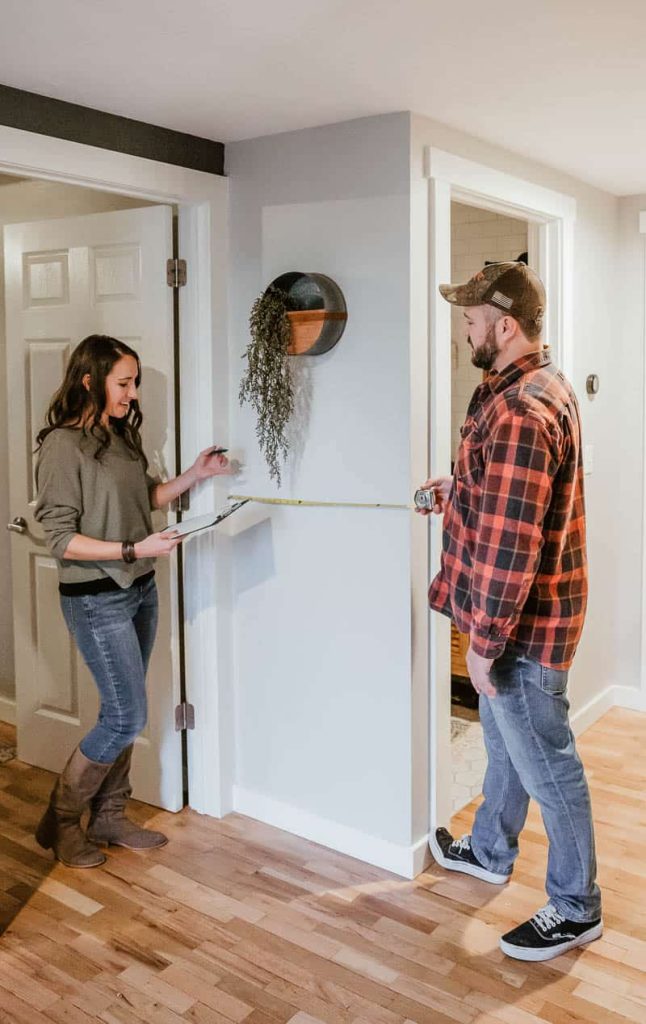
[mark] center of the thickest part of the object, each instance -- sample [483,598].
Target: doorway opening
[202,202]
[548,218]
[78,261]
[478,236]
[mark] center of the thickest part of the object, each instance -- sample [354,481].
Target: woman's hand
[207,465]
[442,487]
[157,545]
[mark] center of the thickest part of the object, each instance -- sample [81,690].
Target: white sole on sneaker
[523,953]
[464,869]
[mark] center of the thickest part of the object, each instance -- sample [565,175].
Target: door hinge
[184,717]
[175,273]
[182,503]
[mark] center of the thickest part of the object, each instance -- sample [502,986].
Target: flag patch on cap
[502,300]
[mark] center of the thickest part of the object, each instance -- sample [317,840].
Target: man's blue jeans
[531,753]
[115,631]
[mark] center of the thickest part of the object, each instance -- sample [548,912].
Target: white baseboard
[592,711]
[406,861]
[7,709]
[422,857]
[612,697]
[629,697]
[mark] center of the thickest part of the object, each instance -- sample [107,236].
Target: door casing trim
[551,216]
[202,202]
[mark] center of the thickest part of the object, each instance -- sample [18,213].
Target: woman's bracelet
[128,552]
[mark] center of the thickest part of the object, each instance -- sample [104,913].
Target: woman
[94,504]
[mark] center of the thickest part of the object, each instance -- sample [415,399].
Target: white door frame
[551,216]
[637,698]
[202,201]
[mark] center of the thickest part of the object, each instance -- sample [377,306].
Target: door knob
[18,525]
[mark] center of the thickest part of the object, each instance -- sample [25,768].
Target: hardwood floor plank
[235,921]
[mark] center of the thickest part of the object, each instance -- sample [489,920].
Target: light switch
[588,459]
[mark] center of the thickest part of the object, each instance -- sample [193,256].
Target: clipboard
[205,522]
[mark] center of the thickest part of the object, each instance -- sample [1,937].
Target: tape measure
[317,504]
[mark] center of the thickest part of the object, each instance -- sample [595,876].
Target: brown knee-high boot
[108,823]
[59,828]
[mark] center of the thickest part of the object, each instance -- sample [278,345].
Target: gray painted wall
[322,598]
[330,719]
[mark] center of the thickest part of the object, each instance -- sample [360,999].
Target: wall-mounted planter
[316,311]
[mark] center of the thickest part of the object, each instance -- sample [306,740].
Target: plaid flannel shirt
[514,558]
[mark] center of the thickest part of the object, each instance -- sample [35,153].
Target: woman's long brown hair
[74,405]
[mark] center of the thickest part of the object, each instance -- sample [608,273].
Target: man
[514,577]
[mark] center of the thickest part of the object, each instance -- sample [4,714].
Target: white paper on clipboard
[205,522]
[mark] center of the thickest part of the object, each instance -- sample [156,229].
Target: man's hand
[442,487]
[479,673]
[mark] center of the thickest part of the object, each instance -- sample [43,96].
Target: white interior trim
[202,203]
[614,696]
[642,691]
[488,184]
[440,460]
[451,177]
[419,532]
[406,861]
[630,697]
[7,709]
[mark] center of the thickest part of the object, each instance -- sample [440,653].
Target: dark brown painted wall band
[46,116]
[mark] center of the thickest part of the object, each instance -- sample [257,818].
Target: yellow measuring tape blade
[316,504]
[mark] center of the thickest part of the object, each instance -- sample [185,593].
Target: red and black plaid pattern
[514,558]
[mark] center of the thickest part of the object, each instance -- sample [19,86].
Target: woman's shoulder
[62,438]
[67,447]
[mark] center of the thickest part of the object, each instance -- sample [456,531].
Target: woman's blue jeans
[115,631]
[531,753]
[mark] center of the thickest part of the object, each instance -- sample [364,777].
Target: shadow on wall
[153,399]
[298,427]
[254,550]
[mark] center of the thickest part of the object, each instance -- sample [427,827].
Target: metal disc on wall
[316,310]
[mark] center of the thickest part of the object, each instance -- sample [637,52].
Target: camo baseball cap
[512,287]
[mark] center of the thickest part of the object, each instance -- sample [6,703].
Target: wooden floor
[237,921]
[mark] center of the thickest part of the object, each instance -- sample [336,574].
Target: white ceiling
[561,81]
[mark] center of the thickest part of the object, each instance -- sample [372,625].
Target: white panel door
[98,274]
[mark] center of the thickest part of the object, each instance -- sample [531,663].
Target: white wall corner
[614,696]
[642,691]
[592,711]
[629,697]
[7,709]
[497,185]
[422,857]
[407,861]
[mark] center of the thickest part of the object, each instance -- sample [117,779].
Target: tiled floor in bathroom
[468,759]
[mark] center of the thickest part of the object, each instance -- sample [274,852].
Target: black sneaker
[457,855]
[547,934]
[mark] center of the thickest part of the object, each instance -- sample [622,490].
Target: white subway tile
[462,231]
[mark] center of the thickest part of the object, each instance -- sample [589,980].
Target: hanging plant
[267,384]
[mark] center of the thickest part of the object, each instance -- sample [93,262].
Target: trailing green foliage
[267,384]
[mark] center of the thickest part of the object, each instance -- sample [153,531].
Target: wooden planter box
[309,328]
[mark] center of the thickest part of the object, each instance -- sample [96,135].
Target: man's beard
[485,356]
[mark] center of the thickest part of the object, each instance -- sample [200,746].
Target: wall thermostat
[592,384]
